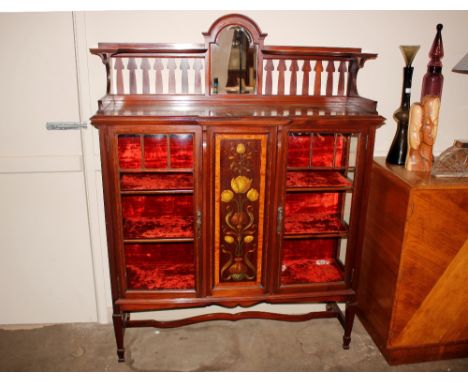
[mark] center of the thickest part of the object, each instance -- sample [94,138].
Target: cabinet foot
[119,330]
[350,313]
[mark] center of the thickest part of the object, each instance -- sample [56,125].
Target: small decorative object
[453,162]
[424,116]
[398,149]
[433,80]
[422,132]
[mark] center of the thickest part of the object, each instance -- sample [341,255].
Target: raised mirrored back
[234,62]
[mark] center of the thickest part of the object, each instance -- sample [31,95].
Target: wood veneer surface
[413,297]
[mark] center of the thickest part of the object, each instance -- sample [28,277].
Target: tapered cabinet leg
[350,313]
[119,330]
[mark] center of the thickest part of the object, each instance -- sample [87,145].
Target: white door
[46,262]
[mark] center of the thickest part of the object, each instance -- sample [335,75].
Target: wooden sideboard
[238,187]
[413,295]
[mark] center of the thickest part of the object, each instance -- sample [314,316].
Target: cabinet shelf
[156,192]
[310,271]
[324,226]
[298,181]
[156,182]
[156,170]
[160,240]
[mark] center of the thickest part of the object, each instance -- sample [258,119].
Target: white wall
[53,265]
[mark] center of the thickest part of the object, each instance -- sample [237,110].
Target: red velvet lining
[156,151]
[181,150]
[309,261]
[129,182]
[316,179]
[129,151]
[323,151]
[298,150]
[160,266]
[157,216]
[315,150]
[312,213]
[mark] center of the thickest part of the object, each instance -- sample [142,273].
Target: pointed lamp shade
[462,66]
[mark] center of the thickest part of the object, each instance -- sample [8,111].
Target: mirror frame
[211,38]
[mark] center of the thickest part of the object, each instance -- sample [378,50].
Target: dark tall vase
[399,146]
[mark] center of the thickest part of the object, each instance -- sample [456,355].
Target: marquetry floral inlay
[239,228]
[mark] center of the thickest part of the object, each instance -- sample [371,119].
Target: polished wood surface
[412,297]
[149,93]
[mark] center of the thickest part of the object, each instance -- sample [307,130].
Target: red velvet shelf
[305,224]
[136,182]
[318,180]
[160,266]
[310,261]
[313,213]
[307,271]
[155,216]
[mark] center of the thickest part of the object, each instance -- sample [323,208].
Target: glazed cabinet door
[319,203]
[159,221]
[240,160]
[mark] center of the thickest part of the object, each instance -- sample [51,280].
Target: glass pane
[310,261]
[157,216]
[298,149]
[129,147]
[181,150]
[160,266]
[353,151]
[309,213]
[323,150]
[316,179]
[156,151]
[234,62]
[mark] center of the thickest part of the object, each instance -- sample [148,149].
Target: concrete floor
[248,345]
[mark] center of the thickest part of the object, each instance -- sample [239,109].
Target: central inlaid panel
[240,169]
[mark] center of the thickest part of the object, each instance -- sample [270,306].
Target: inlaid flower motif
[229,239]
[252,195]
[240,148]
[226,196]
[241,184]
[248,239]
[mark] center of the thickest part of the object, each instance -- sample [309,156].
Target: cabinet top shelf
[238,107]
[233,65]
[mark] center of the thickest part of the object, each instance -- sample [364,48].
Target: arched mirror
[234,62]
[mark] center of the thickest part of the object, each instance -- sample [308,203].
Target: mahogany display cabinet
[234,173]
